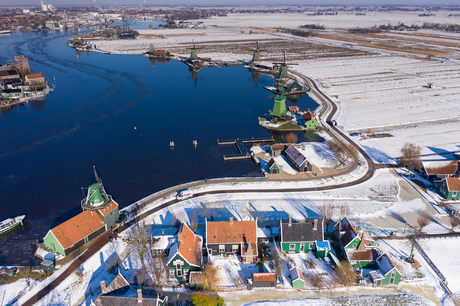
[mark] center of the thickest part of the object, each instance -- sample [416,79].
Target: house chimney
[139,296]
[315,224]
[103,287]
[340,225]
[162,232]
[179,237]
[290,220]
[231,220]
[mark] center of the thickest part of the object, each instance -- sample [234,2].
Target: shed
[297,159]
[276,150]
[272,167]
[47,265]
[263,280]
[439,169]
[322,248]
[297,278]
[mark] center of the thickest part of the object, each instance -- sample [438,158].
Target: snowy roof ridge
[386,264]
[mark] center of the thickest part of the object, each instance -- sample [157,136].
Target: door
[86,239]
[392,280]
[210,252]
[302,247]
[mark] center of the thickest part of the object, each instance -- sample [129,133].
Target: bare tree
[454,222]
[142,278]
[291,138]
[317,282]
[209,277]
[249,211]
[343,152]
[422,221]
[112,264]
[327,211]
[410,156]
[211,211]
[344,211]
[277,261]
[346,275]
[159,272]
[141,242]
[193,220]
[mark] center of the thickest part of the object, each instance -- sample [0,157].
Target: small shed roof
[307,116]
[296,274]
[453,183]
[264,277]
[263,232]
[364,255]
[440,167]
[323,245]
[376,275]
[271,162]
[35,76]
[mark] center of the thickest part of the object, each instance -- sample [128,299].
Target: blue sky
[231,2]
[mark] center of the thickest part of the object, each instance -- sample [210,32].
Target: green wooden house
[310,121]
[387,274]
[356,246]
[300,237]
[185,254]
[449,188]
[297,278]
[272,167]
[322,248]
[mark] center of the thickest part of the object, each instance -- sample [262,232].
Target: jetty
[238,142]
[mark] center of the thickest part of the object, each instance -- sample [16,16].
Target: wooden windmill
[193,53]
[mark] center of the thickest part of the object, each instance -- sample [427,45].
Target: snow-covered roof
[349,231]
[163,243]
[263,232]
[440,167]
[376,275]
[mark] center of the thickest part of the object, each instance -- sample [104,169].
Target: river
[118,112]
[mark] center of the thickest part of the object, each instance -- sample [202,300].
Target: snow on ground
[444,254]
[284,164]
[403,300]
[233,273]
[10,291]
[386,94]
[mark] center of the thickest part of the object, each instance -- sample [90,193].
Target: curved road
[329,109]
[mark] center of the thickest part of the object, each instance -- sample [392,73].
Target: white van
[184,194]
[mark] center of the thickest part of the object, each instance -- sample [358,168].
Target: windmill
[282,74]
[193,53]
[96,198]
[255,77]
[256,55]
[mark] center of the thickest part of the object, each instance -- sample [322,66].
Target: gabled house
[120,293]
[310,120]
[297,278]
[300,237]
[449,188]
[387,274]
[162,244]
[35,79]
[439,169]
[272,167]
[292,86]
[185,254]
[232,238]
[356,246]
[297,159]
[75,232]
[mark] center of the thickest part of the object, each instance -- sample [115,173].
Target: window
[221,248]
[111,213]
[379,282]
[171,272]
[393,274]
[354,245]
[310,246]
[210,252]
[454,194]
[235,248]
[292,247]
[185,271]
[392,280]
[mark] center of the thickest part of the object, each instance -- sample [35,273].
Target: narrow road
[329,109]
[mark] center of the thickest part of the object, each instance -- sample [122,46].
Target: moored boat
[10,223]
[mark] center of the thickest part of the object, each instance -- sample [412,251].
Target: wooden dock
[236,157]
[238,142]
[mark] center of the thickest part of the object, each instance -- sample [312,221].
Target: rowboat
[10,223]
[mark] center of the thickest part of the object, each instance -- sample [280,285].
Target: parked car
[184,194]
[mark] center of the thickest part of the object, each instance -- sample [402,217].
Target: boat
[10,223]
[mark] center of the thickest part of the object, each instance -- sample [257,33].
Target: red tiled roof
[190,246]
[453,183]
[293,107]
[35,76]
[307,116]
[239,232]
[109,208]
[439,167]
[77,228]
[162,52]
[280,146]
[264,277]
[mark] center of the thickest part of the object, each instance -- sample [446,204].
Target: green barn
[387,274]
[185,254]
[300,237]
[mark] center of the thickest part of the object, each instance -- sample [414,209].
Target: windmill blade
[97,177]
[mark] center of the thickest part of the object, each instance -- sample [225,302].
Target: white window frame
[292,247]
[221,248]
[172,272]
[454,193]
[235,248]
[186,271]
